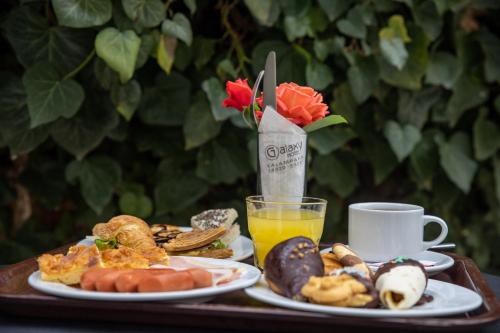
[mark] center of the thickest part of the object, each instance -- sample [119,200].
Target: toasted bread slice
[193,239]
[207,253]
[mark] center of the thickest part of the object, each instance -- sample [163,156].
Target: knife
[270,81]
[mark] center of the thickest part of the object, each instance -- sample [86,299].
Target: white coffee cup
[381,231]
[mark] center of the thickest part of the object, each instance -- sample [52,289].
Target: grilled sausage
[201,277]
[106,282]
[87,281]
[176,281]
[128,282]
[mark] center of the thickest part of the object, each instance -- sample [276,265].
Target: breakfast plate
[242,247]
[448,299]
[433,262]
[248,276]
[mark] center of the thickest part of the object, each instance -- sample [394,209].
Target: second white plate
[448,299]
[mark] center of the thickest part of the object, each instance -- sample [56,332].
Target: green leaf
[330,139]
[49,96]
[401,138]
[35,41]
[178,27]
[147,13]
[353,25]
[226,66]
[381,157]
[167,101]
[183,56]
[136,204]
[318,75]
[468,92]
[424,158]
[191,4]
[409,77]
[413,107]
[334,9]
[14,117]
[174,195]
[295,7]
[323,48]
[297,27]
[444,69]
[325,122]
[121,20]
[265,11]
[491,48]
[82,13]
[392,41]
[98,176]
[426,16]
[216,94]
[221,164]
[148,44]
[290,64]
[344,102]
[363,78]
[457,164]
[165,52]
[486,137]
[126,98]
[200,125]
[104,74]
[338,171]
[84,132]
[119,50]
[203,51]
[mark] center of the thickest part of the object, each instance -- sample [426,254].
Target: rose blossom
[239,94]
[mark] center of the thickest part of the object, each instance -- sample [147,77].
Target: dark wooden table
[21,324]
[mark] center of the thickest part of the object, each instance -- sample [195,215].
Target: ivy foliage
[114,106]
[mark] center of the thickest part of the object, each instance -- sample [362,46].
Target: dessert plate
[249,275]
[433,262]
[242,247]
[448,299]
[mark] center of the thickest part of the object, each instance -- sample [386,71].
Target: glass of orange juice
[271,222]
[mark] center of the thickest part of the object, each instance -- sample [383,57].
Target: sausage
[106,282]
[128,282]
[87,281]
[172,281]
[201,277]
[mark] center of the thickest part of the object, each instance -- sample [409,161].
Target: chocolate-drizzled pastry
[401,283]
[290,264]
[348,258]
[347,287]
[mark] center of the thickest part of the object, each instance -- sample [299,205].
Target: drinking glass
[271,222]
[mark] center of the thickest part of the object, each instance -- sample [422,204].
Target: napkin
[282,158]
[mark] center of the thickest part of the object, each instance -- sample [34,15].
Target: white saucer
[439,261]
[448,299]
[242,247]
[249,275]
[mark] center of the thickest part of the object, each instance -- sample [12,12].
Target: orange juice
[268,227]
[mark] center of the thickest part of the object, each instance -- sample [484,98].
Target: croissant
[132,232]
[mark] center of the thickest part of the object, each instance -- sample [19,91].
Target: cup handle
[442,235]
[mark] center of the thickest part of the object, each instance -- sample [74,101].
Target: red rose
[239,94]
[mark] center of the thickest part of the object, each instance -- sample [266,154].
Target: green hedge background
[111,107]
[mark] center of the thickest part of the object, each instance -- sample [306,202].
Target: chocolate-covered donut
[290,264]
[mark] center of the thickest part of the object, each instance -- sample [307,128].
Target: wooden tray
[234,310]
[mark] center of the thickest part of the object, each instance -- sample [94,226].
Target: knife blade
[270,81]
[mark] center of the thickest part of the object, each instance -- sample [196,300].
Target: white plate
[250,275]
[439,261]
[242,247]
[449,299]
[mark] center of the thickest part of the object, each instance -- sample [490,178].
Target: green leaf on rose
[82,13]
[325,122]
[119,50]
